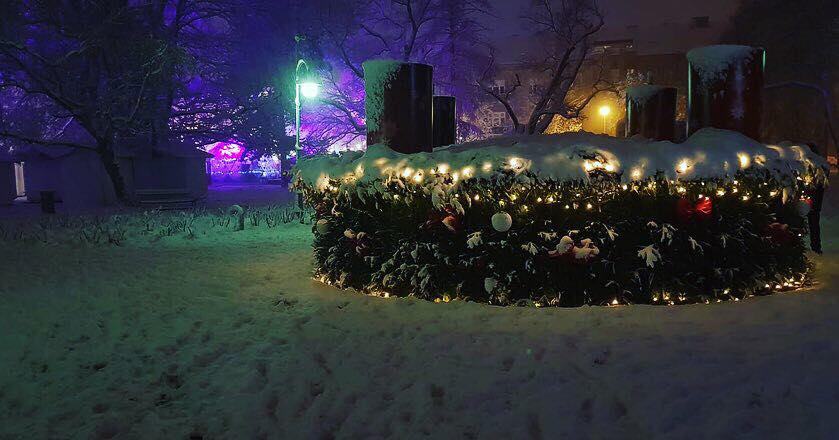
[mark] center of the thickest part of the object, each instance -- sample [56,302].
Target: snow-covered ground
[226,336]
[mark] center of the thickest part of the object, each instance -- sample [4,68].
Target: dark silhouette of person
[816,195]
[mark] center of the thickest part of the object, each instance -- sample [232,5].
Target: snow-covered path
[226,336]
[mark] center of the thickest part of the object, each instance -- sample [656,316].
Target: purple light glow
[228,157]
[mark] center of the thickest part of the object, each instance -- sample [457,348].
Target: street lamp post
[308,89]
[604,111]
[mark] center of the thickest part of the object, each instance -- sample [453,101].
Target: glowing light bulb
[309,89]
[683,166]
[744,159]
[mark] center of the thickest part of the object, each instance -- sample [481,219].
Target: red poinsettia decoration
[687,211]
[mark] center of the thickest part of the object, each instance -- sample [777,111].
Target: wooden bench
[166,198]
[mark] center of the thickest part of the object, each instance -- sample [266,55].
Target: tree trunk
[109,161]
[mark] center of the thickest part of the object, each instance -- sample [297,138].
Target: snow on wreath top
[708,153]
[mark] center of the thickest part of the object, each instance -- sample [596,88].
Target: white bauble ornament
[803,208]
[502,222]
[322,226]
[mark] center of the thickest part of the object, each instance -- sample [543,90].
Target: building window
[20,184]
[499,87]
[497,119]
[700,22]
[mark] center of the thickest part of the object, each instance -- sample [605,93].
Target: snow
[569,156]
[640,94]
[711,62]
[226,336]
[377,77]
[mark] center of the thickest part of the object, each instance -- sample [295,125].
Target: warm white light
[683,166]
[604,110]
[309,89]
[744,159]
[516,163]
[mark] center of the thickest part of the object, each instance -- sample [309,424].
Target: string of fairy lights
[501,188]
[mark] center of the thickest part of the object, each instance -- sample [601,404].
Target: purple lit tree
[186,76]
[76,63]
[443,33]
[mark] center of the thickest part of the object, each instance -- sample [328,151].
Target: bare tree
[117,70]
[567,28]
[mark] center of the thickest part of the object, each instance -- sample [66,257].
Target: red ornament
[449,218]
[779,233]
[451,223]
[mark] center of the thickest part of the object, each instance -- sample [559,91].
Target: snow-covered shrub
[422,224]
